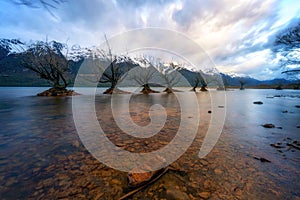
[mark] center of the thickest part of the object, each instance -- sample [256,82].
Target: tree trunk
[168,90]
[203,89]
[242,87]
[195,86]
[56,83]
[146,89]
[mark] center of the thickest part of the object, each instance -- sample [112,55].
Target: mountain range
[12,73]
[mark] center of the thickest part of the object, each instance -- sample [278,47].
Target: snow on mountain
[12,46]
[237,75]
[77,53]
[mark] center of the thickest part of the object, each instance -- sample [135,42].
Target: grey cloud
[257,26]
[197,9]
[89,14]
[225,13]
[136,4]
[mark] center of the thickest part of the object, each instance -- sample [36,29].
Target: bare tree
[287,44]
[48,61]
[225,82]
[203,82]
[143,74]
[294,74]
[113,68]
[112,74]
[242,83]
[279,85]
[170,75]
[48,5]
[198,80]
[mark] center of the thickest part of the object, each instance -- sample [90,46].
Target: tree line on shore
[49,60]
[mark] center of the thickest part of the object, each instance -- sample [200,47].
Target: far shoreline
[289,87]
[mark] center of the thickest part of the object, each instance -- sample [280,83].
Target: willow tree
[115,72]
[170,75]
[113,68]
[287,44]
[144,74]
[48,61]
[198,81]
[242,83]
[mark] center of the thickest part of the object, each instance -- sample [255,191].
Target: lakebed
[42,156]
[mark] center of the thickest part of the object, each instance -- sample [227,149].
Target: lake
[42,156]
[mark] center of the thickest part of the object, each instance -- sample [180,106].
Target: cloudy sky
[236,34]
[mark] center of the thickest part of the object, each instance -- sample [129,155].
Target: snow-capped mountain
[10,56]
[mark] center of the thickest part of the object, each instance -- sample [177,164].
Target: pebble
[116,181]
[218,171]
[175,194]
[206,184]
[76,144]
[276,146]
[204,195]
[10,181]
[98,196]
[120,144]
[164,143]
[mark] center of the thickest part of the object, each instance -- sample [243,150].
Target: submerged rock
[295,145]
[204,195]
[176,194]
[143,174]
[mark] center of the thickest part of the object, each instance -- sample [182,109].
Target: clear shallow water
[41,155]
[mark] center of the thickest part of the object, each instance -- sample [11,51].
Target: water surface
[42,157]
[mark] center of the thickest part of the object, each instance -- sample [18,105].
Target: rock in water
[176,194]
[143,174]
[262,159]
[257,102]
[57,92]
[268,125]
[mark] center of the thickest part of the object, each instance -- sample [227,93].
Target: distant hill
[234,80]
